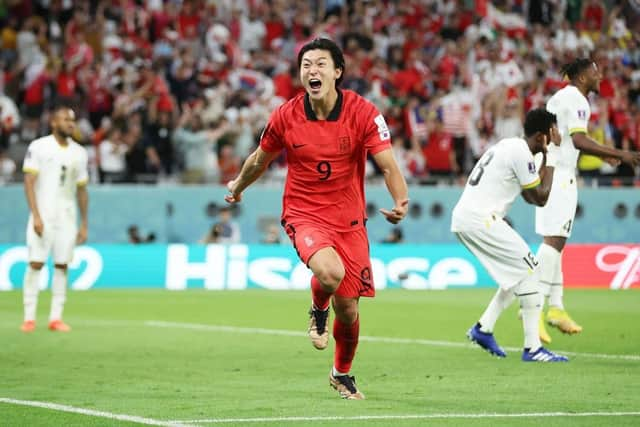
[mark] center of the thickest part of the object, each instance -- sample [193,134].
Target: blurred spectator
[113,162]
[229,231]
[213,235]
[395,236]
[137,63]
[438,151]
[271,235]
[7,167]
[135,237]
[197,146]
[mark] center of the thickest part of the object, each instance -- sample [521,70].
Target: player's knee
[331,275]
[529,293]
[36,265]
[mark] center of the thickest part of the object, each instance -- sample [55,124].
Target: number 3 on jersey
[478,171]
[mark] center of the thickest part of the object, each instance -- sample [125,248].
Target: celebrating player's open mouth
[315,85]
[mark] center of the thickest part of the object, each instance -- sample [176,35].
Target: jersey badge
[344,144]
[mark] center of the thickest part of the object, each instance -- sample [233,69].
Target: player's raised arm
[539,193]
[252,169]
[396,185]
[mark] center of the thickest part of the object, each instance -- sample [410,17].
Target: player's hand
[232,197]
[396,214]
[612,161]
[38,225]
[631,157]
[82,234]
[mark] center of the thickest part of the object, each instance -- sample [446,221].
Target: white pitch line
[412,417]
[389,340]
[92,413]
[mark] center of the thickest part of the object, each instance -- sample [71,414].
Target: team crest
[532,167]
[308,241]
[344,144]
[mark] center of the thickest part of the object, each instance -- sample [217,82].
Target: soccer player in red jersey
[326,134]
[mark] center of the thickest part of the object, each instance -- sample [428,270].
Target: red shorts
[351,246]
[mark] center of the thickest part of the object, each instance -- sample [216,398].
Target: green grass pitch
[167,357]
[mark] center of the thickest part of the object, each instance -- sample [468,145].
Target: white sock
[30,292]
[548,257]
[58,293]
[337,373]
[557,287]
[501,300]
[531,299]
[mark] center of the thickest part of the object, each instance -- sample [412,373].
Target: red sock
[346,337]
[319,296]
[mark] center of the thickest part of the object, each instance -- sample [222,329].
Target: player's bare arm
[82,195]
[588,146]
[29,189]
[396,185]
[252,169]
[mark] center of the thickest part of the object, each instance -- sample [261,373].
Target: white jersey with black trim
[572,111]
[60,170]
[494,183]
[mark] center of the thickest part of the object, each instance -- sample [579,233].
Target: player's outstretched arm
[396,185]
[588,146]
[252,169]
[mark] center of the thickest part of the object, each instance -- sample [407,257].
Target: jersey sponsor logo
[344,144]
[532,167]
[383,129]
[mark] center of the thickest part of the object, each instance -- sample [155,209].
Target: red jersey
[326,158]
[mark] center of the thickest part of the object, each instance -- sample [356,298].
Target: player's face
[318,73]
[594,77]
[64,122]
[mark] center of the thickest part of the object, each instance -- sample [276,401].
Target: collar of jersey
[334,115]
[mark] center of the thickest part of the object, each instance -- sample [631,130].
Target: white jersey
[494,183]
[572,111]
[60,169]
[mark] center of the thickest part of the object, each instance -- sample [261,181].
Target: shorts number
[324,168]
[530,260]
[478,171]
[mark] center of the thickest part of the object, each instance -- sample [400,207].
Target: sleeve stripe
[577,130]
[532,185]
[30,170]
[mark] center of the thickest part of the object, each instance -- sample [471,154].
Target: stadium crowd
[179,90]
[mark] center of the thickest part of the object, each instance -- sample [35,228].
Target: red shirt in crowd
[326,158]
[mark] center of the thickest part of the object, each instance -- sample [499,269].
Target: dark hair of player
[325,44]
[576,67]
[538,120]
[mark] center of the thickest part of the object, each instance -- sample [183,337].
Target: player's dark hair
[576,67]
[329,45]
[538,120]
